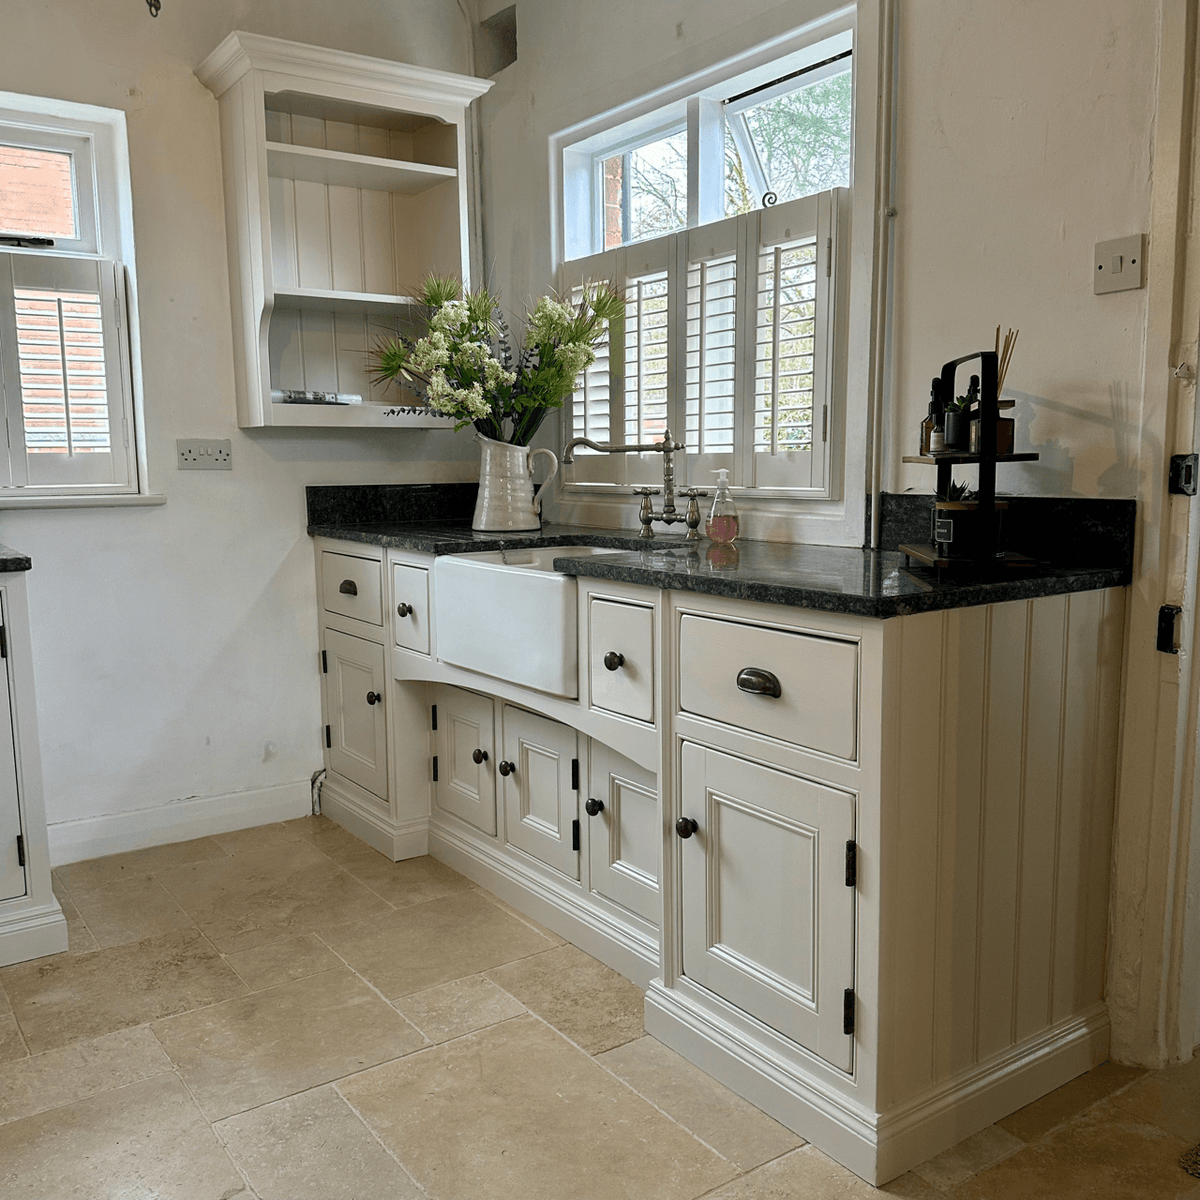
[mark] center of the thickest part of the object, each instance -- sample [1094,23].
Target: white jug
[506,486]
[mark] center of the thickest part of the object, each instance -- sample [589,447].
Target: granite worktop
[13,560]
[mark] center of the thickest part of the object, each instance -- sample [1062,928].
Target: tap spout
[568,454]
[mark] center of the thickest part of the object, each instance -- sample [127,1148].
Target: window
[69,372]
[720,213]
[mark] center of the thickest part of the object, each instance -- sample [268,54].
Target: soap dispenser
[722,524]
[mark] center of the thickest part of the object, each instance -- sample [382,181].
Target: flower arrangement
[465,366]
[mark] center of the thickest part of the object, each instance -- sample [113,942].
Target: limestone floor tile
[411,949]
[517,1112]
[141,1141]
[274,1043]
[402,883]
[313,1145]
[1168,1098]
[328,836]
[807,1174]
[248,900]
[504,906]
[730,1125]
[5,1007]
[96,872]
[12,1044]
[65,998]
[258,837]
[1068,1101]
[75,1072]
[583,999]
[80,939]
[969,1157]
[292,958]
[463,1006]
[1105,1154]
[129,911]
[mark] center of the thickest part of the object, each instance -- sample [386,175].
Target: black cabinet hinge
[3,641]
[324,663]
[848,1011]
[1166,629]
[328,738]
[575,777]
[434,708]
[20,849]
[851,864]
[575,834]
[435,778]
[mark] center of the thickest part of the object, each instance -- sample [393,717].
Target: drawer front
[817,705]
[410,620]
[352,586]
[625,631]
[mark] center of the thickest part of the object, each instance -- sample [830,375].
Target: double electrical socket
[203,454]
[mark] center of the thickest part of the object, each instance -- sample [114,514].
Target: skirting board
[879,1150]
[32,933]
[408,839]
[179,821]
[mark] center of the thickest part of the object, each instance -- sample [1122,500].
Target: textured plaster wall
[173,644]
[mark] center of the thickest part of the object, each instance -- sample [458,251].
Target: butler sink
[511,615]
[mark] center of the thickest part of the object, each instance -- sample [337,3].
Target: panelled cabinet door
[12,873]
[355,693]
[624,832]
[768,921]
[465,787]
[540,805]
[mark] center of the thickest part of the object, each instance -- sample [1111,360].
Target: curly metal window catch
[154,6]
[768,199]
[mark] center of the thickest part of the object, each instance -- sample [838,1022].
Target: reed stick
[1005,354]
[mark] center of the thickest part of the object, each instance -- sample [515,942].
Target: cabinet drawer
[817,705]
[410,592]
[626,684]
[352,586]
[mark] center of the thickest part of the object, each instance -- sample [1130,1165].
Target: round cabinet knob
[374,697]
[480,756]
[685,827]
[593,808]
[507,768]
[403,610]
[613,660]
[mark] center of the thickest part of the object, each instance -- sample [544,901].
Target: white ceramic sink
[511,615]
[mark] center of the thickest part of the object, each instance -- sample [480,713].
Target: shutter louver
[591,401]
[711,351]
[646,333]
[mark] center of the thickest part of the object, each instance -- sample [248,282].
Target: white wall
[173,644]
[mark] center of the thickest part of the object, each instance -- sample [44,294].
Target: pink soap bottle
[722,524]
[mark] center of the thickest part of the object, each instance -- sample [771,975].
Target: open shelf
[336,167]
[323,300]
[955,458]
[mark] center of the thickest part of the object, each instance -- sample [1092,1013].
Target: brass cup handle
[613,660]
[759,682]
[480,756]
[403,610]
[685,827]
[506,768]
[374,697]
[593,808]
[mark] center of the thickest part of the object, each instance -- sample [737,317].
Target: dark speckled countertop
[12,560]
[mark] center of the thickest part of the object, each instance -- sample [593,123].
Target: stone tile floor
[282,1013]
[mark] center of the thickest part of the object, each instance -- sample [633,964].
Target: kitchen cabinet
[465,748]
[356,734]
[345,181]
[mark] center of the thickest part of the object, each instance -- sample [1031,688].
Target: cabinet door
[354,693]
[12,873]
[623,835]
[465,787]
[540,805]
[768,921]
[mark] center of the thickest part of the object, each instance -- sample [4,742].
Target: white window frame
[98,139]
[863,300]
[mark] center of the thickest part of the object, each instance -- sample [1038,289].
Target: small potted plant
[958,417]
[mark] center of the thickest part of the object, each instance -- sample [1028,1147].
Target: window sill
[123,500]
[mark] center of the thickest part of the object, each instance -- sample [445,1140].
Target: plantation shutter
[64,352]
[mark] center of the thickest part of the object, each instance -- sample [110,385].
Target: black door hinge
[435,778]
[20,849]
[1181,479]
[328,739]
[848,1011]
[575,778]
[851,864]
[575,834]
[324,663]
[434,707]
[3,641]
[1166,629]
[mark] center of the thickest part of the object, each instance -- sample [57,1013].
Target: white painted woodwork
[12,872]
[362,580]
[623,839]
[628,630]
[358,749]
[342,190]
[768,922]
[540,806]
[465,725]
[410,586]
[818,678]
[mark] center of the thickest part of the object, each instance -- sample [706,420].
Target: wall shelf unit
[342,193]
